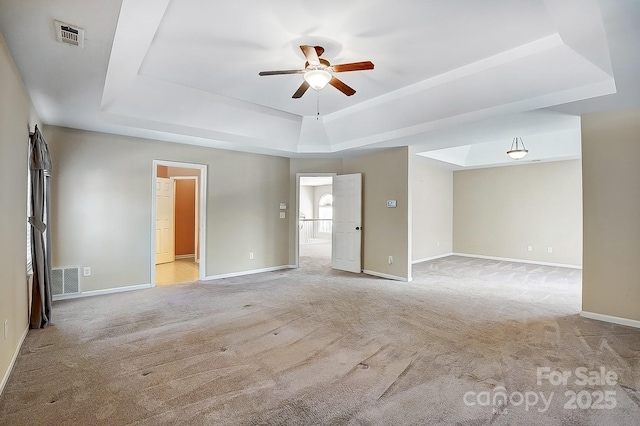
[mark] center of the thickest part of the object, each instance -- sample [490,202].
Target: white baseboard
[426,259]
[387,276]
[509,259]
[7,373]
[253,271]
[57,297]
[609,318]
[184,256]
[100,292]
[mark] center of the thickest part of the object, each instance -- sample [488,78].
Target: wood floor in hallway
[179,271]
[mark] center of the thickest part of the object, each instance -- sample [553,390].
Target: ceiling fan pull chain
[318,106]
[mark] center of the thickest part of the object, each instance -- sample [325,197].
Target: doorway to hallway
[315,220]
[178,215]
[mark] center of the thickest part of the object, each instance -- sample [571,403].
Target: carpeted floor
[314,346]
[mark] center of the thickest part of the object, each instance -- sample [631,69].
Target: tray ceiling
[187,71]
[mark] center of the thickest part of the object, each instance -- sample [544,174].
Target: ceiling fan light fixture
[516,152]
[317,78]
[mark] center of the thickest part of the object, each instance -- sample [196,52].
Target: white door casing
[165,221]
[202,214]
[347,223]
[196,238]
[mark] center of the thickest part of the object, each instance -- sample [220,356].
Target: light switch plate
[391,203]
[283,206]
[282,215]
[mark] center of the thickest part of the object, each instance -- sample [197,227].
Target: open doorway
[178,212]
[315,220]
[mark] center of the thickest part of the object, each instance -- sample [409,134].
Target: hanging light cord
[517,146]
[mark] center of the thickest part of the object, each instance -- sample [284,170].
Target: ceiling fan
[319,72]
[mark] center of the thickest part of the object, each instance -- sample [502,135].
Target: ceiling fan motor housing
[318,72]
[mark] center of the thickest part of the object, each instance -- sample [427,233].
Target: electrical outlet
[86,271]
[549,249]
[6,329]
[529,248]
[250,255]
[390,260]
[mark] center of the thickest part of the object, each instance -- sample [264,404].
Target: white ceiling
[316,180]
[448,73]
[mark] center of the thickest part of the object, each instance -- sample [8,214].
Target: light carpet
[314,346]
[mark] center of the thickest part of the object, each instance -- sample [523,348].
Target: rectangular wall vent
[65,281]
[69,34]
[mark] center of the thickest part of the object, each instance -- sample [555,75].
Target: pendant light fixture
[518,149]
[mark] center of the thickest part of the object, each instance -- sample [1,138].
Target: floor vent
[65,281]
[69,34]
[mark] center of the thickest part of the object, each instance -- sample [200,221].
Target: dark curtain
[40,165]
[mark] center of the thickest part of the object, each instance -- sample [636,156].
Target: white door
[165,232]
[347,220]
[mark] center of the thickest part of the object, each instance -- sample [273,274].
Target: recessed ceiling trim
[535,47]
[597,89]
[559,145]
[435,94]
[128,53]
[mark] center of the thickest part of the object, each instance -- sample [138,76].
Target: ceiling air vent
[69,34]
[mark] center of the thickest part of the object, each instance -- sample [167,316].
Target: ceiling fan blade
[355,66]
[338,84]
[303,88]
[311,54]
[281,72]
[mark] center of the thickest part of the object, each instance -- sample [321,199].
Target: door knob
[357,228]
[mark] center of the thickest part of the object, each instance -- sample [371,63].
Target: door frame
[297,216]
[201,212]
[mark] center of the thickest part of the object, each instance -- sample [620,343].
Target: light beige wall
[102,189]
[611,192]
[304,165]
[386,231]
[17,117]
[432,209]
[500,211]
